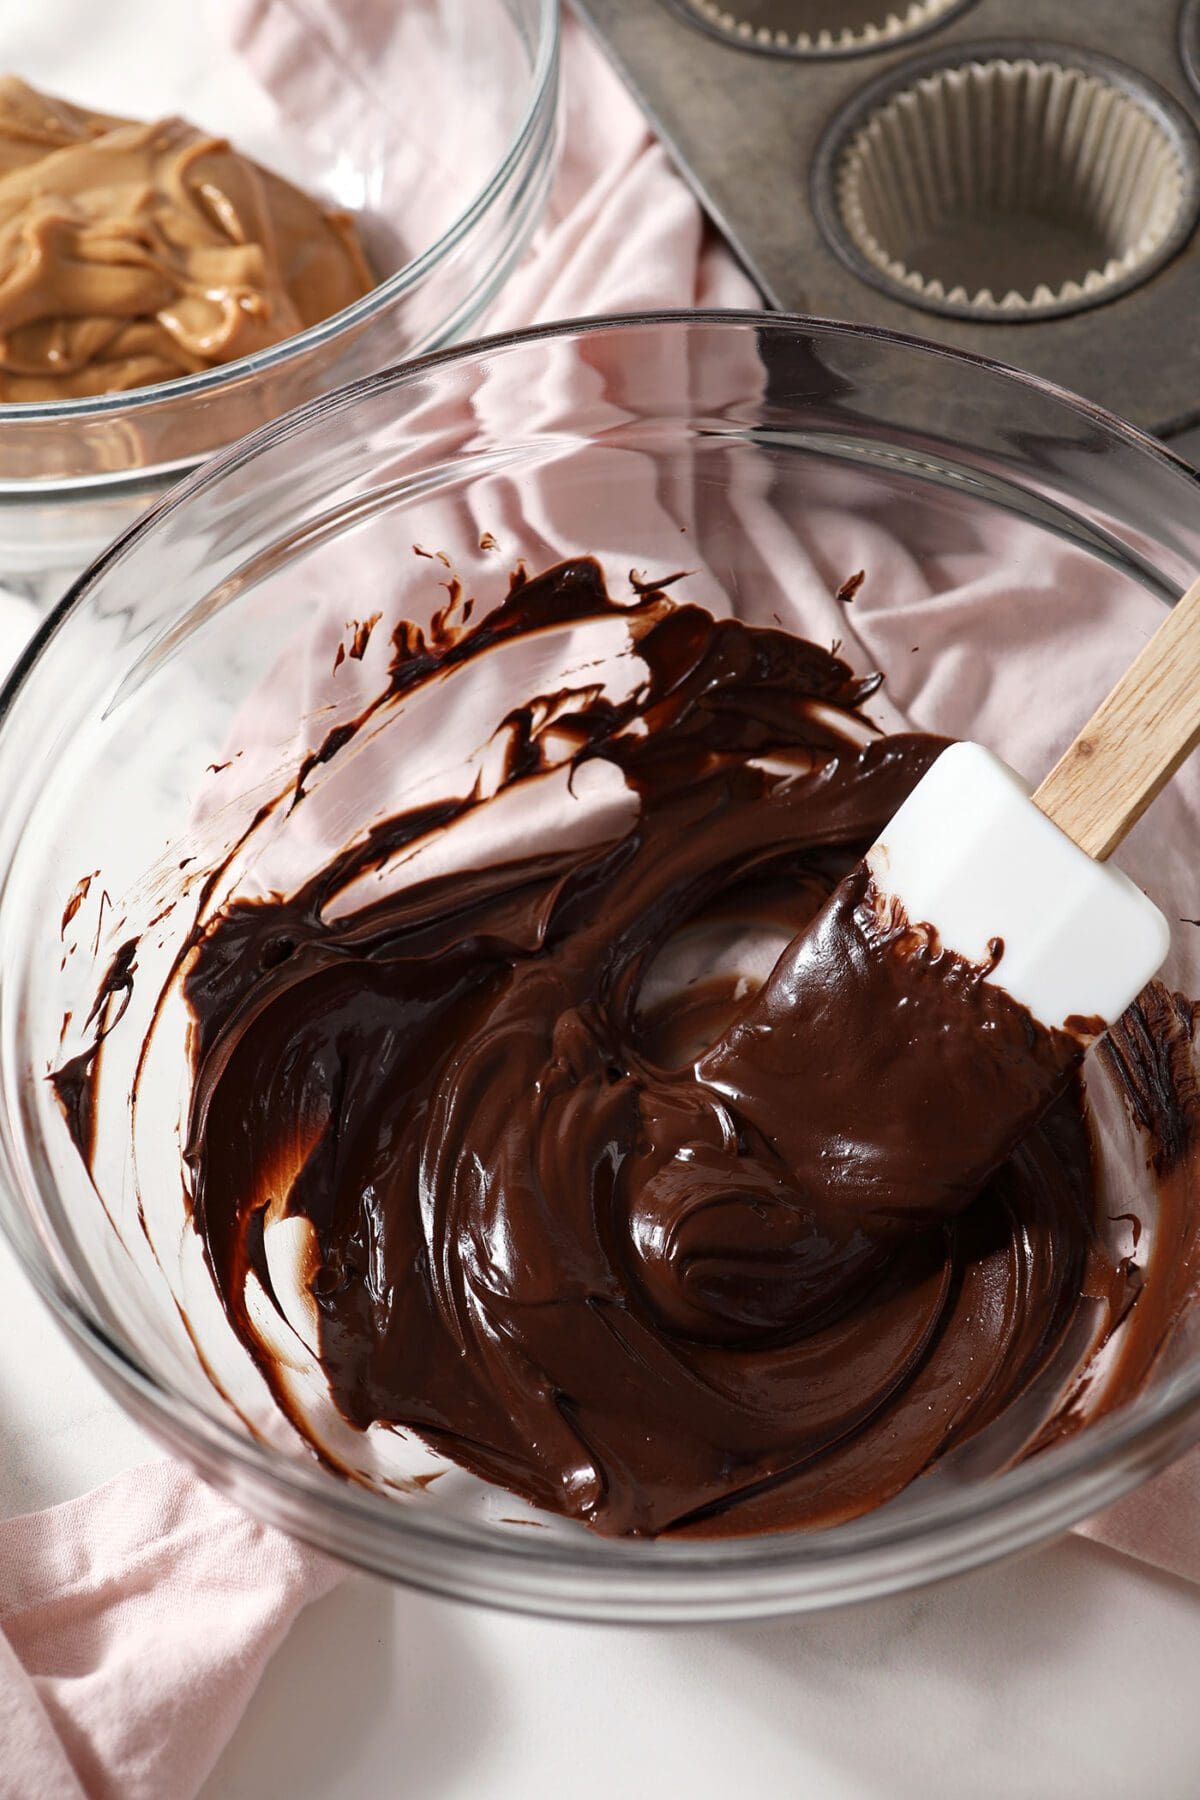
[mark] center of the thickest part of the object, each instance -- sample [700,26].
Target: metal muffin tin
[760,127]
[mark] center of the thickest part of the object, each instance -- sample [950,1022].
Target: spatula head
[971,855]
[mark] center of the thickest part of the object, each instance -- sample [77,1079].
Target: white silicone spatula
[975,854]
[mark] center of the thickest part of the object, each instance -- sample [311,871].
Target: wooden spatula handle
[1134,741]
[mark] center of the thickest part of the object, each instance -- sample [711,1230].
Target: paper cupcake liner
[1015,188]
[820,27]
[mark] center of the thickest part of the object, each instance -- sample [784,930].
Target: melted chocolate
[666,1257]
[708,1265]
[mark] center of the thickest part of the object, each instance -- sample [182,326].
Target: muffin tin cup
[1014,183]
[811,28]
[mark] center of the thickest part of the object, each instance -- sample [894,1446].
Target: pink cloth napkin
[136,1622]
[1159,1523]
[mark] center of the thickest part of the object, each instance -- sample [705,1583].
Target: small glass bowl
[476,108]
[725,443]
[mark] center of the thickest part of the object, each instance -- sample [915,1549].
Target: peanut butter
[133,253]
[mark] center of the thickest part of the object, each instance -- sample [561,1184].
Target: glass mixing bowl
[750,450]
[467,88]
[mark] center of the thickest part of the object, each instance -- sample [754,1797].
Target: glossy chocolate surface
[712,1255]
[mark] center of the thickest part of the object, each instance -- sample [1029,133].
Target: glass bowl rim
[542,78]
[1024,1505]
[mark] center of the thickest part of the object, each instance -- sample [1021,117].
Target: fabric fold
[136,1623]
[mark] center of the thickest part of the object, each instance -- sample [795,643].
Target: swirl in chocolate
[666,1259]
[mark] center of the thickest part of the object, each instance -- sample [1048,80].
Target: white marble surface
[1070,1673]
[1066,1675]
